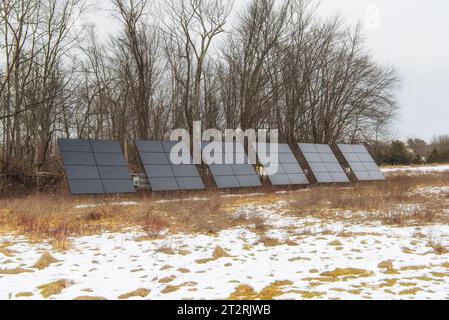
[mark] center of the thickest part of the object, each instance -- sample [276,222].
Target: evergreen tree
[399,154]
[444,156]
[434,156]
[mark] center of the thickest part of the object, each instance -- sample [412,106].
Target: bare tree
[36,41]
[19,33]
[280,66]
[248,54]
[192,27]
[140,42]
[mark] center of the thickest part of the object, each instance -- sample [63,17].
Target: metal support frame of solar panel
[229,173]
[323,163]
[288,172]
[95,167]
[361,162]
[162,173]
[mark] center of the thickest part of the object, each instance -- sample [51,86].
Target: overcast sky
[411,35]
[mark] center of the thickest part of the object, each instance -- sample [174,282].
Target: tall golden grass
[56,218]
[393,202]
[42,217]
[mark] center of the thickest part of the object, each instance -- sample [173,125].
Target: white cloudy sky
[412,35]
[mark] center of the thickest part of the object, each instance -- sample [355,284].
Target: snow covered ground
[417,169]
[119,204]
[296,258]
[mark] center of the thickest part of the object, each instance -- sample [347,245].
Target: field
[383,240]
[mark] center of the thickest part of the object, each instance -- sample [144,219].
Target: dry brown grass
[54,218]
[260,224]
[393,202]
[268,241]
[435,242]
[57,219]
[45,260]
[142,293]
[426,213]
[153,225]
[54,288]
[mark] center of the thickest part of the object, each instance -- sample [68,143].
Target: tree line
[275,64]
[414,151]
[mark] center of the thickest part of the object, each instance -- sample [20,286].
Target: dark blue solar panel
[361,162]
[323,163]
[233,169]
[288,170]
[163,174]
[95,167]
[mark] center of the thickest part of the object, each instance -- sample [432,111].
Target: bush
[418,159]
[153,225]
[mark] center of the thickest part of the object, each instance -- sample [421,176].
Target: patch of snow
[194,199]
[242,195]
[113,264]
[124,204]
[420,169]
[433,190]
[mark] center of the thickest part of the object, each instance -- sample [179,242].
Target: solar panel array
[228,172]
[323,163]
[288,170]
[162,173]
[99,167]
[361,162]
[95,167]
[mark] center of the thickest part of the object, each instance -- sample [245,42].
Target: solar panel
[288,170]
[115,186]
[72,145]
[95,167]
[323,163]
[162,173]
[361,162]
[78,187]
[228,172]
